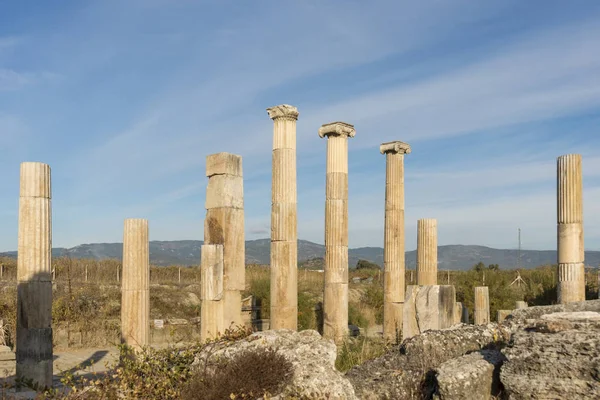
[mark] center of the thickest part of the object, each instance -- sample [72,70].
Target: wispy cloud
[543,75]
[488,94]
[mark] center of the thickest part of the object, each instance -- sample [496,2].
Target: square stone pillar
[135,285]
[211,292]
[571,255]
[393,247]
[284,220]
[224,225]
[335,297]
[34,276]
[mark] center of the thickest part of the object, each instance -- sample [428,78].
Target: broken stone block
[428,307]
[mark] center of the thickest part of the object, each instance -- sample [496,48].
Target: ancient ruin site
[424,236]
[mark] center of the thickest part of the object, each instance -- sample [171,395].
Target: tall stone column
[335,298]
[284,236]
[135,284]
[481,313]
[393,248]
[571,273]
[211,291]
[224,224]
[427,258]
[34,276]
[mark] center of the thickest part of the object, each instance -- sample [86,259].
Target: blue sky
[125,100]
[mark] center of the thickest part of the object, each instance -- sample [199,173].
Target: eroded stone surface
[472,376]
[556,356]
[406,371]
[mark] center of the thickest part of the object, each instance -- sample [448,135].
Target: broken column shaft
[481,312]
[335,298]
[571,273]
[284,237]
[224,224]
[393,249]
[135,284]
[427,251]
[211,291]
[34,276]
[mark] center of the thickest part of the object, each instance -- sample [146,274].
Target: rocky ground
[537,353]
[550,352]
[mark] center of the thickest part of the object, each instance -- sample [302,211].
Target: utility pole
[519,252]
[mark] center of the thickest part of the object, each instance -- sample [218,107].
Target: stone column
[211,291]
[571,276]
[224,224]
[481,313]
[284,236]
[393,248]
[135,284]
[335,298]
[521,304]
[427,251]
[34,276]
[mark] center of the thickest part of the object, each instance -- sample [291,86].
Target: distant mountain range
[454,257]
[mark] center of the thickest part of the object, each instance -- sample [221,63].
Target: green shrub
[260,288]
[373,297]
[307,318]
[355,317]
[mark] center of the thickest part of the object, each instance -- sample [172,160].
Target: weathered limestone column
[393,248]
[211,291]
[571,275]
[34,276]
[224,224]
[427,251]
[135,285]
[335,298]
[458,313]
[284,236]
[521,304]
[481,313]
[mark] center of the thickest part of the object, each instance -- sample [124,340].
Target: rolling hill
[454,257]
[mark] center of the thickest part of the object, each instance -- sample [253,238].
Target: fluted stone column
[335,298]
[393,248]
[211,291]
[34,276]
[135,284]
[481,312]
[427,251]
[284,236]
[571,275]
[224,224]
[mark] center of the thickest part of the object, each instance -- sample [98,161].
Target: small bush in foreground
[250,375]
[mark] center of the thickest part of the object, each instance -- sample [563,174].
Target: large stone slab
[428,307]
